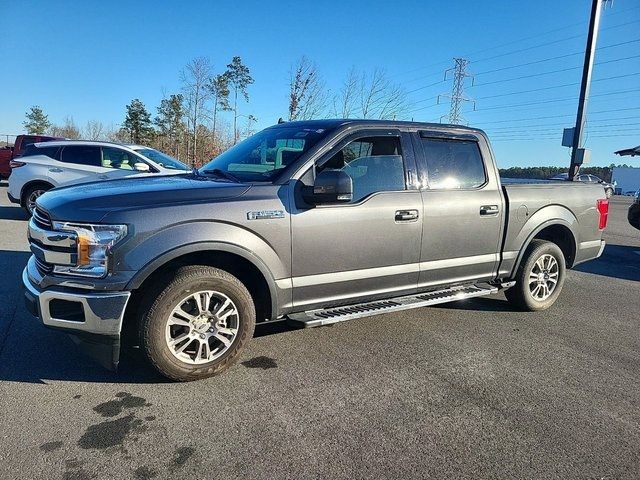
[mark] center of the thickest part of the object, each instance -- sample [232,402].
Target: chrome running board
[316,318]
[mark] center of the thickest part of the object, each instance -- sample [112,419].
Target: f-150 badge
[265,214]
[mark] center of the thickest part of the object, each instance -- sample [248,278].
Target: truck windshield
[261,157]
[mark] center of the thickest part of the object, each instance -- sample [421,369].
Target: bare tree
[371,95]
[68,129]
[93,130]
[307,94]
[346,100]
[195,77]
[379,97]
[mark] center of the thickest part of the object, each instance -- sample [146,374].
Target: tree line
[211,111]
[540,173]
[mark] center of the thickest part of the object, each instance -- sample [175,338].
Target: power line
[561,116]
[556,57]
[525,128]
[497,107]
[563,85]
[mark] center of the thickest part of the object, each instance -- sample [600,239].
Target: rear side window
[453,164]
[51,152]
[82,155]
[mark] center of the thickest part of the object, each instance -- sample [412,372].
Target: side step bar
[316,318]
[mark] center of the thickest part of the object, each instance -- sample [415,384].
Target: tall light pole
[577,153]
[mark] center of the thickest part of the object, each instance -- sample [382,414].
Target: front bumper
[12,199]
[93,319]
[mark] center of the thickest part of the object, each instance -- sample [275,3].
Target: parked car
[9,153]
[316,222]
[587,178]
[44,166]
[634,212]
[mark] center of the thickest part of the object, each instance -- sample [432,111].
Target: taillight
[15,164]
[602,205]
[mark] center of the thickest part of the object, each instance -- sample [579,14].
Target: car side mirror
[330,186]
[141,167]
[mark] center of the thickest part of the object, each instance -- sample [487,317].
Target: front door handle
[406,215]
[55,170]
[104,177]
[489,210]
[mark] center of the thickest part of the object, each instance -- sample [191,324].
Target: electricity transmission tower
[457,92]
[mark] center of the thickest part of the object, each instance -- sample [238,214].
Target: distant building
[627,179]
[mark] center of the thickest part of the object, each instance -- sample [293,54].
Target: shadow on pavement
[618,261]
[13,213]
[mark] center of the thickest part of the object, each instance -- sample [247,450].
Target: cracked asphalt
[467,390]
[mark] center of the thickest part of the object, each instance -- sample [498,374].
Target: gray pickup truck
[315,222]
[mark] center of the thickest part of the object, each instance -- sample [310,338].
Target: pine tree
[138,122]
[219,86]
[37,122]
[170,119]
[239,79]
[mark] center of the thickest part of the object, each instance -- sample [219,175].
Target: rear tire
[196,323]
[31,194]
[539,278]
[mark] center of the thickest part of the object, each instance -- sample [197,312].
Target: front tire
[198,324]
[539,278]
[31,194]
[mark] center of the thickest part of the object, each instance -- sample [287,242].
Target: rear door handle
[489,210]
[406,215]
[55,170]
[104,177]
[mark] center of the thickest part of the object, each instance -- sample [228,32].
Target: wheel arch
[30,184]
[244,265]
[557,231]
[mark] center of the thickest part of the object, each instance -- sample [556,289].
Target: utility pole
[457,92]
[578,153]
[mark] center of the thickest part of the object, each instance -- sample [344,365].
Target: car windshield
[263,156]
[162,159]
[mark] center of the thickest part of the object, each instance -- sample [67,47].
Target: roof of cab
[331,124]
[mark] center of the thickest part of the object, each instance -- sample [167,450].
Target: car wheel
[30,196]
[198,323]
[539,278]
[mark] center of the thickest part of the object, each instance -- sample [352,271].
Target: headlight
[94,244]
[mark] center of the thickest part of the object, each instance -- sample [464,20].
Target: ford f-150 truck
[315,222]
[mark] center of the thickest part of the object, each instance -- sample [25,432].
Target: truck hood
[90,202]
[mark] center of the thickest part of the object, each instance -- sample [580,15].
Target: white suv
[44,166]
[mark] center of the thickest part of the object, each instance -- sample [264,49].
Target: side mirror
[141,167]
[331,186]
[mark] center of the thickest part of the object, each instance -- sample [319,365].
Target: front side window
[263,156]
[162,159]
[373,163]
[453,164]
[81,155]
[116,158]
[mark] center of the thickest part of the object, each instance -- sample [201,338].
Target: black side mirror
[331,186]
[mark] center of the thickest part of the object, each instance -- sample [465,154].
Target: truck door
[463,214]
[370,247]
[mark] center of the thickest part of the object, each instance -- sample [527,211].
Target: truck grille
[43,267]
[41,218]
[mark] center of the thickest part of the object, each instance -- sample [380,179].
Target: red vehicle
[9,153]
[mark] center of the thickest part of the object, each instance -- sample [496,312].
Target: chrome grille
[41,218]
[43,267]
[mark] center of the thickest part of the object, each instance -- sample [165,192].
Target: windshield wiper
[221,173]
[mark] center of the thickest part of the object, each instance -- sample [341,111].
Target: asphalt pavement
[467,390]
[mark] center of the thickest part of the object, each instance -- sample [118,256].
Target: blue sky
[88,59]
